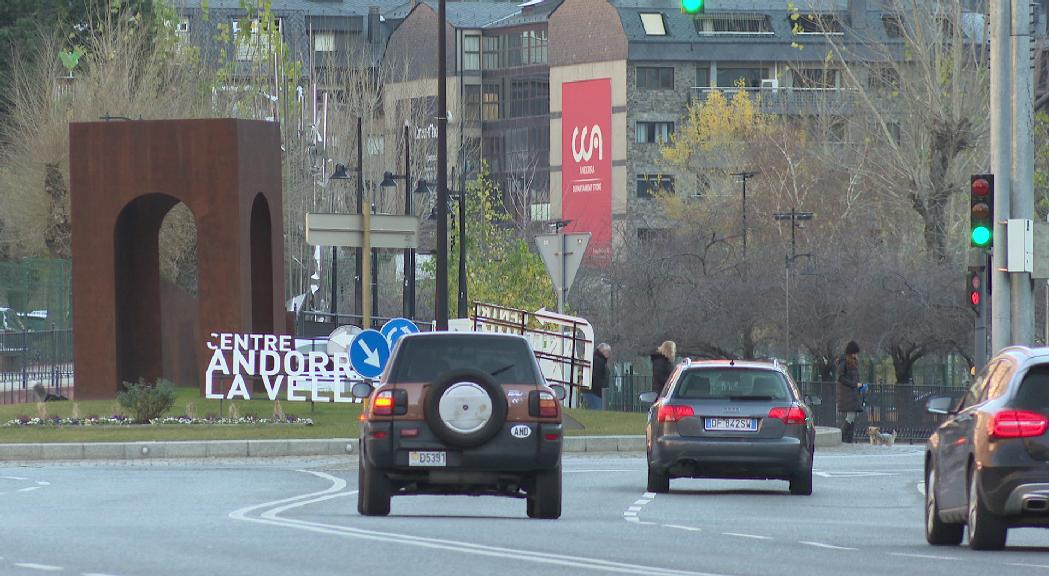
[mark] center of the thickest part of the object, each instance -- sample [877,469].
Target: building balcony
[790,100]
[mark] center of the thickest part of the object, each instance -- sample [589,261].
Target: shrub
[145,401]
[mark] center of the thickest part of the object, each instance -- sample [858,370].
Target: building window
[884,78]
[893,26]
[471,52]
[653,235]
[702,77]
[182,28]
[648,185]
[818,24]
[732,24]
[324,42]
[529,97]
[655,78]
[490,98]
[820,78]
[653,132]
[472,102]
[653,23]
[733,77]
[259,41]
[376,145]
[490,52]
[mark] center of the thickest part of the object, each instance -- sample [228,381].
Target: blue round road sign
[397,327]
[369,353]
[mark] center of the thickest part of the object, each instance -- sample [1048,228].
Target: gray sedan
[728,419]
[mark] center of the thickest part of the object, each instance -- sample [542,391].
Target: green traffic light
[981,235]
[692,6]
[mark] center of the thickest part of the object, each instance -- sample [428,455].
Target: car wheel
[465,408]
[938,532]
[658,481]
[801,482]
[986,531]
[373,491]
[544,500]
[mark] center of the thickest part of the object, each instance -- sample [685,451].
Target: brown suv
[461,413]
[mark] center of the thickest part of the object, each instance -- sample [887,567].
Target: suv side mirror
[943,405]
[649,397]
[361,390]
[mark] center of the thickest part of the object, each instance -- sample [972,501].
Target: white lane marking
[599,470]
[634,509]
[689,528]
[921,488]
[41,567]
[634,519]
[754,536]
[643,523]
[851,474]
[827,546]
[29,489]
[271,517]
[95,574]
[650,495]
[641,502]
[20,479]
[928,556]
[1027,565]
[629,513]
[43,483]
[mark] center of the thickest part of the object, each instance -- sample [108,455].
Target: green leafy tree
[501,268]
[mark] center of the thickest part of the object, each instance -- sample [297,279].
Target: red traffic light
[980,186]
[975,280]
[974,297]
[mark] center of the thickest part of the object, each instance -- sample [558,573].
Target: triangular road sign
[562,254]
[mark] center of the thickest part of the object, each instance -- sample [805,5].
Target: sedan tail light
[1017,424]
[792,415]
[673,412]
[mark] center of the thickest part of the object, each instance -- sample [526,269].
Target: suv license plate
[731,424]
[427,458]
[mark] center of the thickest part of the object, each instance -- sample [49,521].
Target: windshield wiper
[501,370]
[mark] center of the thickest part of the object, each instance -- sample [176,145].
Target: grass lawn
[330,421]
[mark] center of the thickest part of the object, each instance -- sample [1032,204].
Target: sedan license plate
[427,458]
[731,424]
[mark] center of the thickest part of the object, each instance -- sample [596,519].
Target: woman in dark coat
[849,400]
[662,365]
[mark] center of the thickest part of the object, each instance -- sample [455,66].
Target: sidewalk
[275,448]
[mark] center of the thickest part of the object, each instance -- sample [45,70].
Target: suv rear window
[731,384]
[1034,390]
[424,359]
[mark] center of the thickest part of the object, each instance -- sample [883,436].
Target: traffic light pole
[1001,136]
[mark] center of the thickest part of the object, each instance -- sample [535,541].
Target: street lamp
[341,172]
[743,177]
[441,292]
[389,181]
[461,196]
[794,216]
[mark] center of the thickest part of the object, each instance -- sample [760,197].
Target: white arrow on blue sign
[369,353]
[395,328]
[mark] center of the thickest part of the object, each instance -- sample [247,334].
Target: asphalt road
[298,516]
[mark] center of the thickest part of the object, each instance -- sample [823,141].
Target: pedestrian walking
[599,373]
[662,365]
[850,402]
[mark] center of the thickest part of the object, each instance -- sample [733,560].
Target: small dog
[878,437]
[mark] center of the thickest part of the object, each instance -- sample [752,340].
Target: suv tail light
[542,404]
[1017,424]
[792,415]
[390,403]
[673,412]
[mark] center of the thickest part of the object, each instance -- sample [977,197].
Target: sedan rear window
[1034,390]
[424,359]
[731,384]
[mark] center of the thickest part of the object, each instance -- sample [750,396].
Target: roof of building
[463,14]
[310,7]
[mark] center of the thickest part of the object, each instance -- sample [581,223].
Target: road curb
[279,448]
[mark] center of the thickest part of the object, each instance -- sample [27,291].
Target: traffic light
[981,210]
[973,280]
[692,6]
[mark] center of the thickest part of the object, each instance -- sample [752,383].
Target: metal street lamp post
[388,180]
[794,216]
[341,172]
[743,177]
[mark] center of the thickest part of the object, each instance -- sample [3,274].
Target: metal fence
[891,407]
[38,357]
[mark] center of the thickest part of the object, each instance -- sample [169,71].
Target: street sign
[397,327]
[387,230]
[562,254]
[340,338]
[369,353]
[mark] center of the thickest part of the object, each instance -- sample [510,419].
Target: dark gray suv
[987,465]
[728,419]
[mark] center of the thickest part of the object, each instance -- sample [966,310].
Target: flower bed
[120,420]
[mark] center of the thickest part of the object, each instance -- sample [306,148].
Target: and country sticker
[521,431]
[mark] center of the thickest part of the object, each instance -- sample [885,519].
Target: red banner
[586,164]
